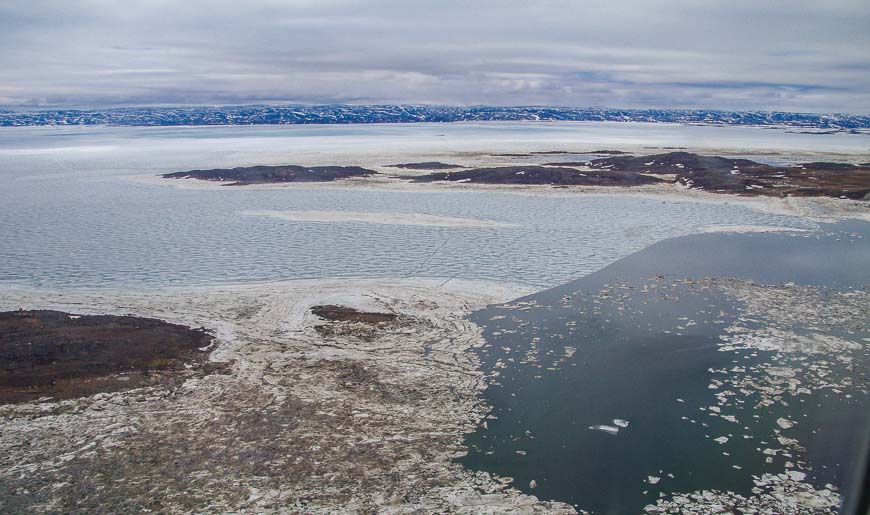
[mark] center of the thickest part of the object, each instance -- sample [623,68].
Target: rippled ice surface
[95,234]
[69,218]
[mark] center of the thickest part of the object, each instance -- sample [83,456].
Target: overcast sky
[790,55]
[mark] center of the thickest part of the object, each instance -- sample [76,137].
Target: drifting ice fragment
[796,476]
[620,422]
[607,429]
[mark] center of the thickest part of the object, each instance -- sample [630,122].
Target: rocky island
[52,354]
[551,175]
[687,170]
[693,171]
[743,176]
[273,174]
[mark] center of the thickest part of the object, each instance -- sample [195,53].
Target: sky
[788,55]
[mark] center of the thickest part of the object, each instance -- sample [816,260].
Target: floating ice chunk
[721,439]
[653,480]
[620,422]
[796,476]
[607,429]
[784,423]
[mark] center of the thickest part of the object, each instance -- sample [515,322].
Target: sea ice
[607,429]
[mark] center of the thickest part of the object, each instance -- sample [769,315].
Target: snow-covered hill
[342,114]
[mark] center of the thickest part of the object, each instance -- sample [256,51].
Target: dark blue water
[639,358]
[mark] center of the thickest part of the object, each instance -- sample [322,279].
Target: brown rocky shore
[56,355]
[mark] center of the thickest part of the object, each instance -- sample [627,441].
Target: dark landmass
[428,165]
[747,177]
[711,173]
[348,314]
[273,174]
[540,175]
[347,321]
[609,152]
[344,114]
[55,354]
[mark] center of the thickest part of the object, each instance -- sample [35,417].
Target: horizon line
[118,107]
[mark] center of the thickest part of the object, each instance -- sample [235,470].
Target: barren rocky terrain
[51,354]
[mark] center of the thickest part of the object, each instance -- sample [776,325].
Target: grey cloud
[776,55]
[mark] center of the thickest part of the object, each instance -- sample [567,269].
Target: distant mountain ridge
[347,114]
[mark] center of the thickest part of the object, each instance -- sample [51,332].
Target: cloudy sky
[791,55]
